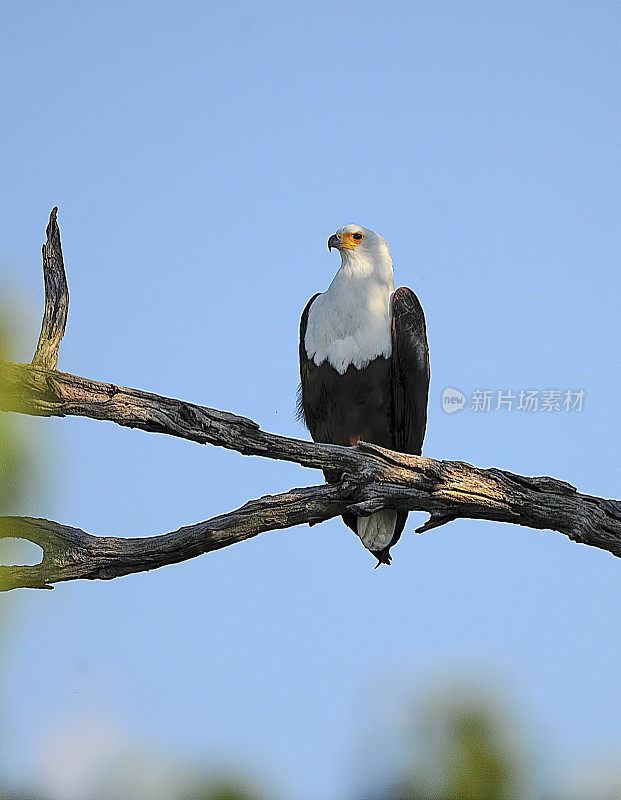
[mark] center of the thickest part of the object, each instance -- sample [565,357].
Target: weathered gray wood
[445,489]
[70,553]
[56,297]
[50,393]
[372,478]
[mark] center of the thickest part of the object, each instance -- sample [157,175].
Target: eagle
[364,367]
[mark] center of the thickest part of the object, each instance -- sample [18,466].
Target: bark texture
[56,297]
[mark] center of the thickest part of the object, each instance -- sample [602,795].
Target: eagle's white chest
[350,323]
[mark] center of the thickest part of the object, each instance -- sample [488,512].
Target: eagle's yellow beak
[344,241]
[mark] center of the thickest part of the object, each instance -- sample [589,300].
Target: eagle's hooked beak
[334,241]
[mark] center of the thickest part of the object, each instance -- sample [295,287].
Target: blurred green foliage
[225,790]
[12,452]
[479,763]
[469,753]
[462,751]
[13,465]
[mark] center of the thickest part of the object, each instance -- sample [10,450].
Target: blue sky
[201,154]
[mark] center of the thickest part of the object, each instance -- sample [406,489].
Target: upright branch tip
[56,297]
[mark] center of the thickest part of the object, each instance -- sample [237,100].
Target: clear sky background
[201,155]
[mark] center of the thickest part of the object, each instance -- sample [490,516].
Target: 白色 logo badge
[452,400]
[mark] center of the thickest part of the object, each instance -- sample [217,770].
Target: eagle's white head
[356,243]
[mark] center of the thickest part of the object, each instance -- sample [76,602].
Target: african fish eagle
[364,367]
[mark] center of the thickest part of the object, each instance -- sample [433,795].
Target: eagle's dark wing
[307,371]
[410,372]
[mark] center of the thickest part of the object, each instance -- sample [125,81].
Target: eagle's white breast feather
[350,323]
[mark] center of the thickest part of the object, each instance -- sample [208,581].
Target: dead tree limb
[56,297]
[372,478]
[70,553]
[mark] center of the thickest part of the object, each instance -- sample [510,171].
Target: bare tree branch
[372,478]
[384,479]
[50,393]
[70,553]
[56,298]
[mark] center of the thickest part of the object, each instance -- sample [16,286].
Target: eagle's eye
[358,236]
